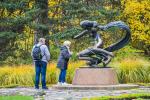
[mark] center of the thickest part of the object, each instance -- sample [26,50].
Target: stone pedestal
[95,76]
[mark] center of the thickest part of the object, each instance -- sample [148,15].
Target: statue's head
[86,24]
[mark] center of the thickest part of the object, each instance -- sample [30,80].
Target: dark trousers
[62,75]
[40,68]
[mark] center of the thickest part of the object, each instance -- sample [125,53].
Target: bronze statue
[96,54]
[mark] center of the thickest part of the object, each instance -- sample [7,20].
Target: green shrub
[54,51]
[126,52]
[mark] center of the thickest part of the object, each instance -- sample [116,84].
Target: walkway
[52,94]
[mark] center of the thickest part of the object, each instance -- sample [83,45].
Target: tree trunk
[42,19]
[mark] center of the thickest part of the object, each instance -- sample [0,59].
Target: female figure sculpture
[96,54]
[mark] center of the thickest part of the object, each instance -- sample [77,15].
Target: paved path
[52,94]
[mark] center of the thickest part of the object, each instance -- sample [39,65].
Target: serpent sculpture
[96,54]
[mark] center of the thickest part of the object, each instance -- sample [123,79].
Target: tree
[24,21]
[42,20]
[12,22]
[18,19]
[69,13]
[136,14]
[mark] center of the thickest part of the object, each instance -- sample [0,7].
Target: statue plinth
[95,76]
[89,78]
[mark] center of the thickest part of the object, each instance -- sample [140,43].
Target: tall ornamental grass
[129,70]
[133,70]
[24,75]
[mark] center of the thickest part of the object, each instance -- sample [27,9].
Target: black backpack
[37,55]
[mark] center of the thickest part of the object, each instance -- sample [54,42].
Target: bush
[54,51]
[138,20]
[127,52]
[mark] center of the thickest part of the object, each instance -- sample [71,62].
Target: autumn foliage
[137,15]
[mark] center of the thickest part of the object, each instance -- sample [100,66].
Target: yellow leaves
[31,4]
[55,14]
[55,11]
[137,15]
[135,25]
[52,3]
[133,7]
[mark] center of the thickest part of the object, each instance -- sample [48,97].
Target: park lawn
[138,96]
[16,97]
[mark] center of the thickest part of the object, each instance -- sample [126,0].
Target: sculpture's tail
[124,40]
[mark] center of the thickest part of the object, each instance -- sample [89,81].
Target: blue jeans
[62,75]
[40,68]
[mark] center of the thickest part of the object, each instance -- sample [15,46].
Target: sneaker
[59,83]
[65,83]
[45,88]
[36,87]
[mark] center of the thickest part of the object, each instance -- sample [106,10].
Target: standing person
[41,56]
[63,59]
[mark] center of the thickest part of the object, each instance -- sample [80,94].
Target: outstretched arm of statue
[102,28]
[81,34]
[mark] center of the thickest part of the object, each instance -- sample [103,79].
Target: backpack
[37,55]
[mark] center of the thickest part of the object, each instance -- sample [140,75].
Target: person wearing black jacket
[63,60]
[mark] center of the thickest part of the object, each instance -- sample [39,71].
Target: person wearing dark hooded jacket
[63,60]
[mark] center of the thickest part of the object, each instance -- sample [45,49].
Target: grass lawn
[138,96]
[17,97]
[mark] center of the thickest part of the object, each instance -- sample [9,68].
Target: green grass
[17,97]
[144,84]
[139,96]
